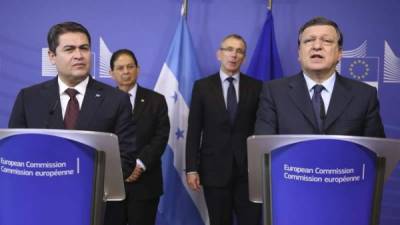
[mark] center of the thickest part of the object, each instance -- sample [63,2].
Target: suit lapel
[217,91]
[140,101]
[298,92]
[50,94]
[91,102]
[243,94]
[341,97]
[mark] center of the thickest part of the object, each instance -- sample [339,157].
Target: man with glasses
[318,100]
[222,116]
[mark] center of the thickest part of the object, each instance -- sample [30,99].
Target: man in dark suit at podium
[73,100]
[222,115]
[150,114]
[319,100]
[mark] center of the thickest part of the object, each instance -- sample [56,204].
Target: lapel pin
[97,95]
[142,100]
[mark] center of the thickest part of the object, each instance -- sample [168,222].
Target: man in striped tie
[221,117]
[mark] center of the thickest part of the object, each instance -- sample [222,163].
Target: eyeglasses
[233,50]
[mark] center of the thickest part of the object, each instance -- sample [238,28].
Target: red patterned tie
[72,111]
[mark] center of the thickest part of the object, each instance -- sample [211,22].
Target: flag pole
[265,62]
[269,5]
[184,8]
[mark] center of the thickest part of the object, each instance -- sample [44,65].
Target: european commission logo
[354,63]
[357,65]
[363,69]
[391,66]
[103,67]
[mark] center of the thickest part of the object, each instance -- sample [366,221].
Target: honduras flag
[265,63]
[179,205]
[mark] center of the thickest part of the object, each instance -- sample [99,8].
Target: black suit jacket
[150,115]
[286,108]
[104,109]
[212,142]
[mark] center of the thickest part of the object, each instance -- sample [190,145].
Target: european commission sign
[356,64]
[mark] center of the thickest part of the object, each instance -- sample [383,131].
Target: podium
[59,177]
[319,179]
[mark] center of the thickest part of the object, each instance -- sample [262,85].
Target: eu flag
[362,69]
[265,63]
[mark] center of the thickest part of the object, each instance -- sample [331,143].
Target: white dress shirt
[225,85]
[64,97]
[326,93]
[132,97]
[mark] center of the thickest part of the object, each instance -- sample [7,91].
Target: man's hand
[193,180]
[135,174]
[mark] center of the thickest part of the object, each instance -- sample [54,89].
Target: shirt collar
[133,91]
[223,76]
[328,84]
[81,87]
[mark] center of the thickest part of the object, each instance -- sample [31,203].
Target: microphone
[52,110]
[322,115]
[54,107]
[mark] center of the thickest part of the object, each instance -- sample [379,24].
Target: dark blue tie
[318,105]
[231,99]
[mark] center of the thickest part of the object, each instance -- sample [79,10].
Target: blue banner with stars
[362,69]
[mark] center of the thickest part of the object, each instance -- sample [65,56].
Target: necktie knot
[230,80]
[318,88]
[71,92]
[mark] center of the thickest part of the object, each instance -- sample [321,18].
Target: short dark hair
[62,28]
[321,21]
[120,52]
[235,36]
